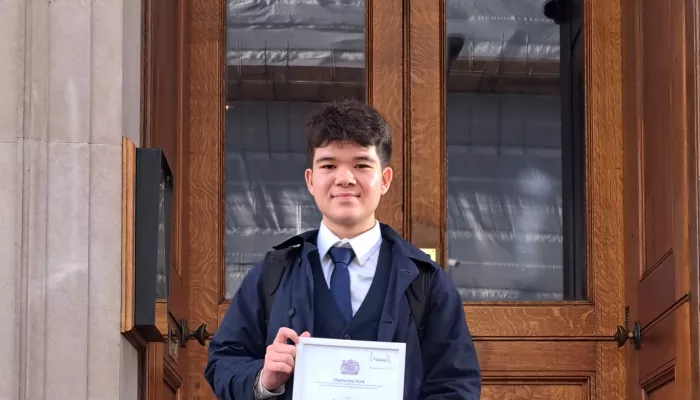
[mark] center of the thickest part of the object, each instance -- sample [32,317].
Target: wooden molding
[204,194]
[162,320]
[386,88]
[692,24]
[127,238]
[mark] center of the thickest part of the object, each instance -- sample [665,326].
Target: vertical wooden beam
[205,258]
[386,83]
[127,237]
[692,24]
[426,119]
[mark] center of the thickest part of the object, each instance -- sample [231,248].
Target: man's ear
[308,177]
[387,176]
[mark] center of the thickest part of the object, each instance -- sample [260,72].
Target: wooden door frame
[415,207]
[693,112]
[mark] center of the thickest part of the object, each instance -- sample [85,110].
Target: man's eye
[327,166]
[363,166]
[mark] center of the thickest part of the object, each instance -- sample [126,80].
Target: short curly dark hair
[348,121]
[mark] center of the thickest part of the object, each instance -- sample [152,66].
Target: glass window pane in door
[514,137]
[282,59]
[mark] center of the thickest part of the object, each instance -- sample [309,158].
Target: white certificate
[331,369]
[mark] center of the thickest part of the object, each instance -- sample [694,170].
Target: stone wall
[69,90]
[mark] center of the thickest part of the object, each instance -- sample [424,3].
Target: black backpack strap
[276,261]
[418,296]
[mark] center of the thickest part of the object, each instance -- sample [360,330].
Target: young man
[349,279]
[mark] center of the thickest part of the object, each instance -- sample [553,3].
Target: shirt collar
[363,245]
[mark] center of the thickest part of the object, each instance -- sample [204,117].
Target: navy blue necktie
[340,279]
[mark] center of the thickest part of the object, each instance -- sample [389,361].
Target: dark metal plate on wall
[153,220]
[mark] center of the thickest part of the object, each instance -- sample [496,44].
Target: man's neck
[350,231]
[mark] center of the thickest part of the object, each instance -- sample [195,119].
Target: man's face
[347,181]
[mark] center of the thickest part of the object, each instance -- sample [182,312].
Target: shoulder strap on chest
[418,296]
[274,265]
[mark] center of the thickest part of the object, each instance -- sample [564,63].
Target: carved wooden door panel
[661,199]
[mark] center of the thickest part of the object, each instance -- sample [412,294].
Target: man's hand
[279,359]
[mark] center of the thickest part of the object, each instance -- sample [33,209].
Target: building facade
[545,153]
[69,78]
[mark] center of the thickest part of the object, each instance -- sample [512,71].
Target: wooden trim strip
[602,32]
[523,321]
[127,327]
[204,261]
[385,91]
[692,26]
[572,358]
[127,234]
[537,320]
[426,104]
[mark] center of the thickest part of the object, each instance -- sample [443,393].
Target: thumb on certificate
[305,334]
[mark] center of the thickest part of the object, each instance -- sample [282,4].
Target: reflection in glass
[282,59]
[513,151]
[162,263]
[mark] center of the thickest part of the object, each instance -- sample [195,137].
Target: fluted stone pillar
[69,90]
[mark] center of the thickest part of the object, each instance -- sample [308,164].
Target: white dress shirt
[362,268]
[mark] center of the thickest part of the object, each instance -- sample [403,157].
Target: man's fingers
[285,333]
[305,334]
[276,366]
[281,357]
[281,348]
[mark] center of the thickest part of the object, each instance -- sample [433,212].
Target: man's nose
[344,177]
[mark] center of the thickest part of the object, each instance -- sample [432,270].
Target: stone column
[68,70]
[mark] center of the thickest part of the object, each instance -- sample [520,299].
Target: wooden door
[515,178]
[661,172]
[554,341]
[253,80]
[165,126]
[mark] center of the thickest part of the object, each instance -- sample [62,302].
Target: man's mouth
[345,195]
